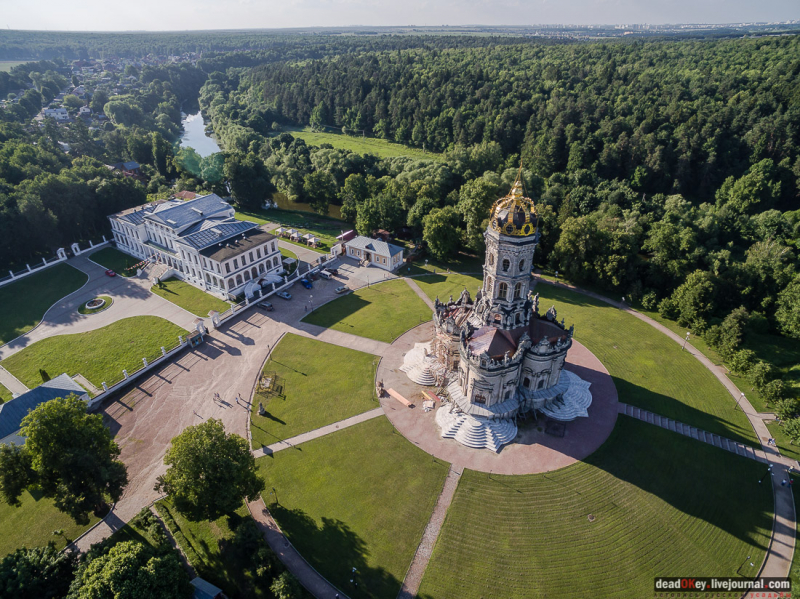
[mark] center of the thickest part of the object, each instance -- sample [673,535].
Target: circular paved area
[533,450]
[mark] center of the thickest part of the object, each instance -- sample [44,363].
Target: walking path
[317,433]
[313,581]
[422,295]
[778,561]
[362,344]
[12,383]
[695,433]
[423,555]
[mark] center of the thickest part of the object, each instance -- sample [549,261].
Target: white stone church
[200,242]
[498,357]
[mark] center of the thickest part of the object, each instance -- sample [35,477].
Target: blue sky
[105,15]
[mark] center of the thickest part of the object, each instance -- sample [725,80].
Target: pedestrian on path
[783,482]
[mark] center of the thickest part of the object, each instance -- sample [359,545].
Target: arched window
[254,272]
[506,264]
[517,290]
[480,398]
[521,265]
[247,275]
[230,283]
[541,384]
[491,259]
[238,280]
[526,383]
[502,291]
[261,268]
[516,318]
[489,284]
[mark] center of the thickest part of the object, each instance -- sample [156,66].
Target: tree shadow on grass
[336,310]
[333,549]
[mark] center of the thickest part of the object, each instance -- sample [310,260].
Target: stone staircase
[695,433]
[575,401]
[475,432]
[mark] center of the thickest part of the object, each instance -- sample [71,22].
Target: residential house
[375,252]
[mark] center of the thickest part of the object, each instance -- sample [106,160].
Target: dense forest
[665,171]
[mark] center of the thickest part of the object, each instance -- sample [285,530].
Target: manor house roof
[214,230]
[179,214]
[238,245]
[374,245]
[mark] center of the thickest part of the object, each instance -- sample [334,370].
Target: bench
[400,398]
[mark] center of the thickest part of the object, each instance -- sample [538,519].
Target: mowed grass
[783,440]
[358,498]
[116,260]
[305,222]
[443,286]
[82,309]
[207,545]
[649,370]
[32,524]
[25,301]
[362,145]
[189,297]
[662,504]
[99,355]
[322,384]
[382,312]
[5,394]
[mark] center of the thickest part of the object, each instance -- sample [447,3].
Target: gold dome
[514,214]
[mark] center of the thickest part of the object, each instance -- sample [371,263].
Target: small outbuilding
[205,590]
[375,252]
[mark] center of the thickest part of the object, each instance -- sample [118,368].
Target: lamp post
[685,340]
[739,399]
[311,302]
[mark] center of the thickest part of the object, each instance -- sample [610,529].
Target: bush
[785,409]
[760,374]
[668,308]
[772,391]
[792,428]
[649,300]
[757,323]
[286,587]
[742,361]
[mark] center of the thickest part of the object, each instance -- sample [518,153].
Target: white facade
[59,114]
[201,241]
[375,252]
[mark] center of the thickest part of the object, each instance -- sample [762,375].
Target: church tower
[511,240]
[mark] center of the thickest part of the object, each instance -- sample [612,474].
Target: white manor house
[200,242]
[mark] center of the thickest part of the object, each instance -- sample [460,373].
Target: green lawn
[358,498]
[322,384]
[25,301]
[33,523]
[785,444]
[443,286]
[118,261]
[327,229]
[382,312]
[662,504]
[361,145]
[99,355]
[82,309]
[210,549]
[189,297]
[5,394]
[289,254]
[649,369]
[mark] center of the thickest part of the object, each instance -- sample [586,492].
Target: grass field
[208,547]
[7,65]
[116,260]
[382,312]
[289,254]
[359,498]
[326,229]
[662,505]
[361,145]
[785,445]
[5,394]
[443,286]
[336,384]
[650,371]
[99,355]
[33,524]
[82,309]
[25,302]
[189,297]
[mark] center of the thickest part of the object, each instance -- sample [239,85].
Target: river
[194,135]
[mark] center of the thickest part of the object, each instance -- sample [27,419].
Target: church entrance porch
[533,450]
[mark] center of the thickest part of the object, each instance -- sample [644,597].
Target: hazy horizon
[205,15]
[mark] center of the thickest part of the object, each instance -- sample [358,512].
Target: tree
[130,570]
[99,100]
[286,586]
[249,179]
[210,472]
[162,154]
[475,199]
[694,300]
[787,408]
[37,573]
[69,455]
[727,337]
[440,231]
[788,313]
[73,101]
[792,428]
[319,188]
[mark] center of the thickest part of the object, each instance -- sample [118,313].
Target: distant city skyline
[170,15]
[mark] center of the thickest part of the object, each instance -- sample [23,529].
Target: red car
[111,273]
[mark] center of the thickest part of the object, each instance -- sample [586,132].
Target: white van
[325,274]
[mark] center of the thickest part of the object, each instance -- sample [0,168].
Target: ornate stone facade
[497,355]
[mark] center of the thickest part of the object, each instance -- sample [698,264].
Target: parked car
[333,271]
[325,274]
[341,289]
[306,283]
[111,273]
[284,295]
[266,305]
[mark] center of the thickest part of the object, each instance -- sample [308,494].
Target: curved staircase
[574,402]
[474,431]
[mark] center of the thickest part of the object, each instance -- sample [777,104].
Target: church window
[489,284]
[480,398]
[506,264]
[522,265]
[491,259]
[507,395]
[498,318]
[526,383]
[502,291]
[541,384]
[516,318]
[517,290]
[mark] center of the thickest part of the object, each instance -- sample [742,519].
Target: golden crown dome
[514,214]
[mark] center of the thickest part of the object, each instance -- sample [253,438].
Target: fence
[61,256]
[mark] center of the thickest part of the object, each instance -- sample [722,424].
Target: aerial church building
[497,355]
